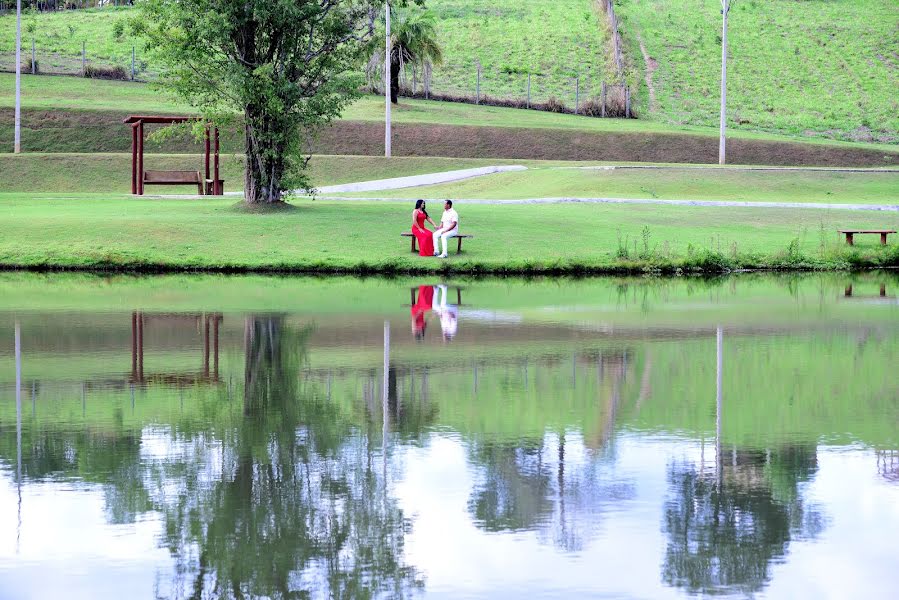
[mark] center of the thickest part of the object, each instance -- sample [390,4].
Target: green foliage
[414,45]
[286,69]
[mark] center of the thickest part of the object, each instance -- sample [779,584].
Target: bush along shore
[696,261]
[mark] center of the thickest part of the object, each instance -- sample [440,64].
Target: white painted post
[384,392]
[18,118]
[718,375]
[387,49]
[18,336]
[83,58]
[722,142]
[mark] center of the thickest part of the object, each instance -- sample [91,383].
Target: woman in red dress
[424,236]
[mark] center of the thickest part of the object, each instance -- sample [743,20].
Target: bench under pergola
[208,183]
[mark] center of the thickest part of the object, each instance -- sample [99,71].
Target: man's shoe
[442,256]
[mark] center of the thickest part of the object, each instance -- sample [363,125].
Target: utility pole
[18,126]
[725,8]
[387,59]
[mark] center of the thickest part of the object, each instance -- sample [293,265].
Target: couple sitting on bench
[428,241]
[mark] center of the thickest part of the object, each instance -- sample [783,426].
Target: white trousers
[445,236]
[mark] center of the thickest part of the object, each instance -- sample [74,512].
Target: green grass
[670,183]
[825,69]
[100,231]
[553,40]
[111,173]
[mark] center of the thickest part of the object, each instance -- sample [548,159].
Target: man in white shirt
[448,313]
[449,228]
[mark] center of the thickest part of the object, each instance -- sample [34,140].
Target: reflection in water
[287,455]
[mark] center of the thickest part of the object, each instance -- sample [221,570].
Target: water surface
[243,437]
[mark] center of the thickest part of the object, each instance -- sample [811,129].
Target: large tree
[286,67]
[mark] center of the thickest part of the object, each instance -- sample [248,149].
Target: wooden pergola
[208,183]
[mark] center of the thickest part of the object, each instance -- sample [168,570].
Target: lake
[211,436]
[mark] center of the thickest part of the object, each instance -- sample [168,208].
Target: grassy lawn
[808,68]
[111,172]
[670,183]
[114,231]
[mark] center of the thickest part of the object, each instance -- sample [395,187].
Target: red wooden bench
[174,178]
[849,233]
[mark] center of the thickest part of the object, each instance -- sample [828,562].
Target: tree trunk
[264,161]
[394,79]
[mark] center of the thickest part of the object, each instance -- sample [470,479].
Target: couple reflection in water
[434,298]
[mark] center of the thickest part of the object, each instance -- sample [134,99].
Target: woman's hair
[418,206]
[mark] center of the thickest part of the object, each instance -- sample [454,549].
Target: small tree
[285,67]
[414,43]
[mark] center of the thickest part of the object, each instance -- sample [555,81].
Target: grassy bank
[65,114]
[823,69]
[117,232]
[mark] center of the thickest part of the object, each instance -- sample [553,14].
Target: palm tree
[413,44]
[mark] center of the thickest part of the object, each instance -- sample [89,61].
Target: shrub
[26,66]
[554,105]
[116,72]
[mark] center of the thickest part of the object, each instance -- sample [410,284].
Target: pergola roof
[158,119]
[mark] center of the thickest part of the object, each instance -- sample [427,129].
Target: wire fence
[123,65]
[586,94]
[43,6]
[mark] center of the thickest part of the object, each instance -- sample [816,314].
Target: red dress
[420,308]
[423,235]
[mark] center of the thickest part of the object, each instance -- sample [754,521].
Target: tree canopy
[284,68]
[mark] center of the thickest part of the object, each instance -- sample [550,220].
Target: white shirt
[448,217]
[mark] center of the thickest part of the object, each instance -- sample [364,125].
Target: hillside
[554,40]
[825,69]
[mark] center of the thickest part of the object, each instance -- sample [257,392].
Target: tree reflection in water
[297,508]
[723,533]
[528,485]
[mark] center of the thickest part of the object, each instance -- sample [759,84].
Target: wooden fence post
[603,98]
[83,59]
[477,98]
[627,101]
[529,91]
[132,63]
[33,64]
[577,93]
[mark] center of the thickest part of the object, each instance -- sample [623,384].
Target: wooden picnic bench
[849,233]
[174,178]
[409,234]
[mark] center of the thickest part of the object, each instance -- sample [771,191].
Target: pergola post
[217,186]
[206,161]
[134,158]
[140,158]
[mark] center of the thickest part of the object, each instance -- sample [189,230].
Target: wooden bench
[409,234]
[849,233]
[174,178]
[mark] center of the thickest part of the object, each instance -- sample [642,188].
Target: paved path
[717,203]
[397,183]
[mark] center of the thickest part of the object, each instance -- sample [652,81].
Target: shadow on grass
[264,209]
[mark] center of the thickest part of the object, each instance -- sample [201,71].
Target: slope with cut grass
[63,114]
[823,69]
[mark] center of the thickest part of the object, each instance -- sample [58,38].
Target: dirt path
[651,66]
